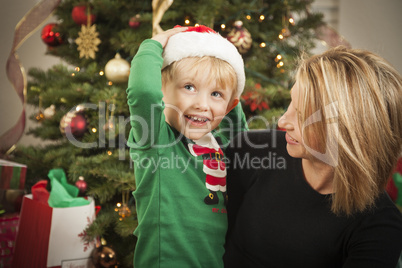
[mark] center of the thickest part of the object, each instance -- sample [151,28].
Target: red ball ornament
[240,37]
[81,185]
[135,22]
[80,15]
[50,35]
[73,123]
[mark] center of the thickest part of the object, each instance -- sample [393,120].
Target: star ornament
[88,41]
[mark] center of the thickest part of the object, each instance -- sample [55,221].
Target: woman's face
[290,123]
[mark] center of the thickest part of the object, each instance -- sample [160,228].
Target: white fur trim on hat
[196,44]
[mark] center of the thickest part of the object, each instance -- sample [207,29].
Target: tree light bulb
[292,21]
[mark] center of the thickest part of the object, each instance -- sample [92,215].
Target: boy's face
[194,105]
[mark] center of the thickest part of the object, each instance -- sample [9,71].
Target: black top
[277,220]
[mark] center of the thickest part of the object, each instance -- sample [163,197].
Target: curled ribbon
[15,71]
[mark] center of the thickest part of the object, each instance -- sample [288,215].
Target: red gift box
[12,175]
[8,234]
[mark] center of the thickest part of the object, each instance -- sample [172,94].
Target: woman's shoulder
[386,207]
[383,215]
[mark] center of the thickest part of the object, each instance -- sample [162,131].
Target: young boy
[179,166]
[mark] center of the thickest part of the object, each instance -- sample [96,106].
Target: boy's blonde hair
[367,93]
[220,71]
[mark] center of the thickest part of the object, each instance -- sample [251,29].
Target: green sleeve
[233,123]
[144,94]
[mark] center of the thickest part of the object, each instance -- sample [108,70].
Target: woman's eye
[189,87]
[216,94]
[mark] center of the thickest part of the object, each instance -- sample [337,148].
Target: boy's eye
[216,94]
[189,87]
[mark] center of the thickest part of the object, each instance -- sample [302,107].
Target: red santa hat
[202,41]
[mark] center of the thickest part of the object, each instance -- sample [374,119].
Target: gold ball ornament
[117,69]
[104,257]
[240,37]
[49,111]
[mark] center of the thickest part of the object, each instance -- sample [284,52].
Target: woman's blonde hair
[352,101]
[220,71]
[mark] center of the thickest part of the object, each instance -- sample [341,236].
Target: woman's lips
[291,140]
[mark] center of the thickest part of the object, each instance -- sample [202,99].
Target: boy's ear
[232,105]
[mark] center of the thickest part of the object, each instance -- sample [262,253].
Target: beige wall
[371,24]
[375,25]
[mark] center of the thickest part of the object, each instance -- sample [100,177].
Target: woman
[314,195]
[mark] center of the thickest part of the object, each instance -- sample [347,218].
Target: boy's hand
[164,36]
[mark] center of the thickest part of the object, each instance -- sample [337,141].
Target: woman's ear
[232,104]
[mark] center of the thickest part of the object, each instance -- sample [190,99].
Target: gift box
[12,175]
[51,237]
[8,233]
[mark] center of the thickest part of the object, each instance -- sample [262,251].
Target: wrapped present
[52,225]
[12,175]
[8,233]
[51,237]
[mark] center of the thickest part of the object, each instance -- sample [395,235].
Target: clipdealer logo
[330,156]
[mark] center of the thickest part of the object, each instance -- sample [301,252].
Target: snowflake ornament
[88,41]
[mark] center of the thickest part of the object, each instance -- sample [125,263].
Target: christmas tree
[82,106]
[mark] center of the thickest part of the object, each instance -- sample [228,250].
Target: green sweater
[175,227]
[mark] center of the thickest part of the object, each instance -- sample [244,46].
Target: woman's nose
[283,122]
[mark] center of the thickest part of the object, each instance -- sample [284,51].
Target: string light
[278,57]
[280,36]
[196,25]
[280,64]
[73,74]
[94,130]
[109,153]
[263,44]
[292,21]
[77,69]
[187,21]
[101,73]
[223,26]
[248,17]
[110,83]
[262,17]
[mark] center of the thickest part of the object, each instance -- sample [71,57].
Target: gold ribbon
[159,8]
[15,71]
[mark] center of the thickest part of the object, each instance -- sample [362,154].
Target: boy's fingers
[176,30]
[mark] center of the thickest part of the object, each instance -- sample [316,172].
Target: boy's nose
[201,103]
